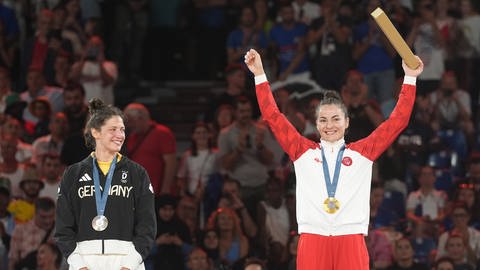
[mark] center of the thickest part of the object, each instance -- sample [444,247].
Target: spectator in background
[465,192]
[403,254]
[129,33]
[72,27]
[307,11]
[444,263]
[233,245]
[374,56]
[10,167]
[457,250]
[468,47]
[289,48]
[61,69]
[34,51]
[52,170]
[426,205]
[460,217]
[6,94]
[330,35]
[49,257]
[36,87]
[75,108]
[426,40]
[41,109]
[13,127]
[7,222]
[198,162]
[263,22]
[197,169]
[198,260]
[245,37]
[152,145]
[54,141]
[424,244]
[27,237]
[8,48]
[172,235]
[231,198]
[11,28]
[452,109]
[244,153]
[235,76]
[224,116]
[209,242]
[96,74]
[275,222]
[364,112]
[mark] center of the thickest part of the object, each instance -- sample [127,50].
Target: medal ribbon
[101,197]
[332,186]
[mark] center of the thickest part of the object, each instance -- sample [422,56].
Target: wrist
[260,78]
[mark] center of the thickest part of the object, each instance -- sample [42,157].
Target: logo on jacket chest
[115,190]
[124,178]
[347,161]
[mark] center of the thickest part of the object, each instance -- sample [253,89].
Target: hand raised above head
[254,62]
[413,72]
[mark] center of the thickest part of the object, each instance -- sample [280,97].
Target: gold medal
[331,205]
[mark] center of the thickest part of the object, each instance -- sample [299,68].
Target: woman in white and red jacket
[332,217]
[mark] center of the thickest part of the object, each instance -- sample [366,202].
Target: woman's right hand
[254,62]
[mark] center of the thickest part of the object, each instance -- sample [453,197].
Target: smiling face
[331,122]
[111,135]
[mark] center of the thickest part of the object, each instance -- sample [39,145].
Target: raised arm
[288,137]
[382,137]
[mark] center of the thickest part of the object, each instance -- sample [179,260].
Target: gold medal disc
[331,205]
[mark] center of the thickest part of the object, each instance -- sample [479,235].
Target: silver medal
[100,223]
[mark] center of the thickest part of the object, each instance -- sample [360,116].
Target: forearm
[168,176]
[359,49]
[107,79]
[375,117]
[295,63]
[248,223]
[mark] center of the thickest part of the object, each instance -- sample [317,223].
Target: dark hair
[442,260]
[54,248]
[331,97]
[241,100]
[44,203]
[193,147]
[50,155]
[99,114]
[74,86]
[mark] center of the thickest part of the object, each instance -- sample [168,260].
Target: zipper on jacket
[103,247]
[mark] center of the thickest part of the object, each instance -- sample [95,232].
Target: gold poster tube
[395,39]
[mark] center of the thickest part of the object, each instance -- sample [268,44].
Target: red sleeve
[383,136]
[287,136]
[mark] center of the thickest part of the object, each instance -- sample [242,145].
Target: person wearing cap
[28,236]
[105,208]
[23,209]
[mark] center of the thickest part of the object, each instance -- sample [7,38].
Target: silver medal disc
[100,223]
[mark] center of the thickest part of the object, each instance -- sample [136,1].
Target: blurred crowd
[228,202]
